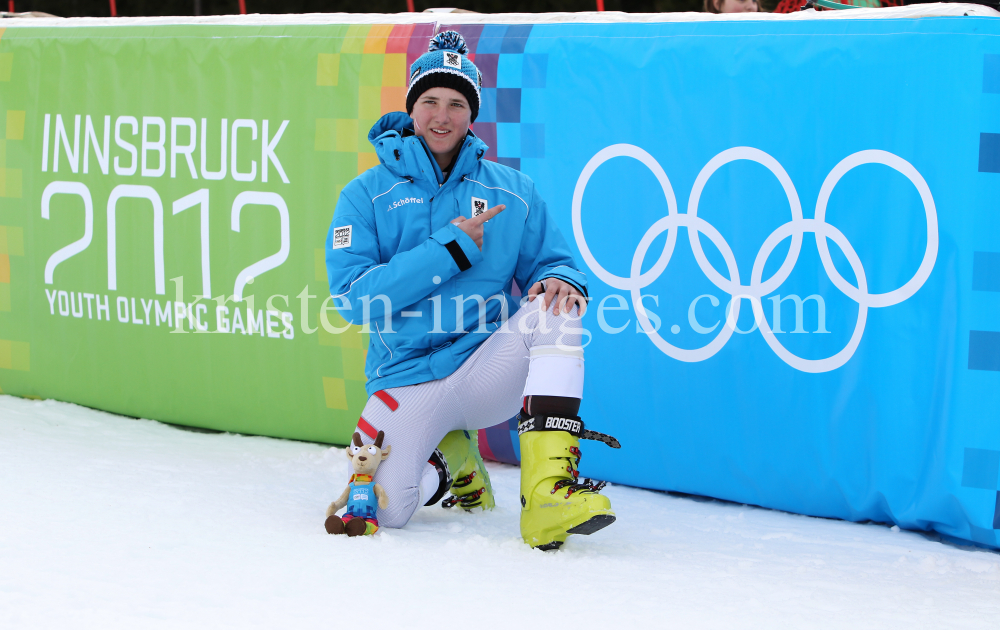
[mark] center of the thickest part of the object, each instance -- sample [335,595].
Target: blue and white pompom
[449,40]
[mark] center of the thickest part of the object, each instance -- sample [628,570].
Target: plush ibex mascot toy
[361,495]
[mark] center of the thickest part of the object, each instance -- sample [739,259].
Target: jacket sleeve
[370,288]
[544,252]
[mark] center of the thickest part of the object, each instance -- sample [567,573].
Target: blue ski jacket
[395,260]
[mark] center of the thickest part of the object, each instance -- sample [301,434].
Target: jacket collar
[408,156]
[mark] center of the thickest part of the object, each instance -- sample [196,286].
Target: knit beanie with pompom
[445,65]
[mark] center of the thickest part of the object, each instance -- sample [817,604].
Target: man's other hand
[474,226]
[563,293]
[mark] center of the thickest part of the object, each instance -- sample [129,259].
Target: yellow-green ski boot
[554,502]
[471,487]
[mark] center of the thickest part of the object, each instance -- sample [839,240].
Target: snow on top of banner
[587,17]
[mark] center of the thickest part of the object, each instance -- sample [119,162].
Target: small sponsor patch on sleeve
[452,60]
[341,237]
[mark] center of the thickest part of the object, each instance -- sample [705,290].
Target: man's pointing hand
[474,226]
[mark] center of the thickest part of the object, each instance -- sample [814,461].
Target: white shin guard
[555,371]
[429,482]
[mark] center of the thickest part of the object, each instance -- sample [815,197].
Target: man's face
[441,116]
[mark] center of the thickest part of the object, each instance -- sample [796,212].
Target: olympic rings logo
[758,287]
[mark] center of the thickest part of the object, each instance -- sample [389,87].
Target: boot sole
[592,525]
[552,546]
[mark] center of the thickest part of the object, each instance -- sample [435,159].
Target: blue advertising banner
[793,247]
[789,227]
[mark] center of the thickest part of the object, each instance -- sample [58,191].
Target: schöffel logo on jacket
[404,201]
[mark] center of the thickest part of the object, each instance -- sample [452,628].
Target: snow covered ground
[109,522]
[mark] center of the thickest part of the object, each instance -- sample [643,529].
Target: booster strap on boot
[570,424]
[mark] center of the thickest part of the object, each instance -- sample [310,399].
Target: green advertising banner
[166,195]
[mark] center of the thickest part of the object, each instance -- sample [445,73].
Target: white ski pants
[534,353]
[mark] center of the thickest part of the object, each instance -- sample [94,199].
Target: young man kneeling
[424,248]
